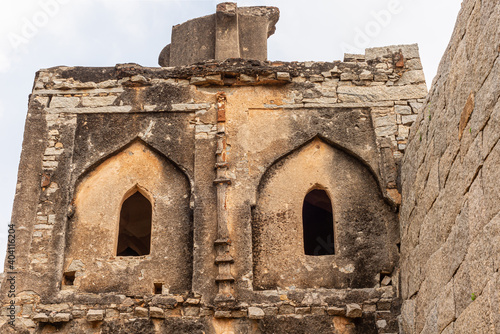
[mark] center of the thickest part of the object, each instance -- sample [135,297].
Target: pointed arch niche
[132,228]
[320,222]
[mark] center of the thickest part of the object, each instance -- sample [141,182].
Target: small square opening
[158,288]
[69,278]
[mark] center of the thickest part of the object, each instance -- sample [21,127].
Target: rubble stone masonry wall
[450,221]
[225,152]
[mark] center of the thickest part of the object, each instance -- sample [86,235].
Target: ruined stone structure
[450,222]
[226,196]
[232,32]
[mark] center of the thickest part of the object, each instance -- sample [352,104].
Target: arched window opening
[134,235]
[317,221]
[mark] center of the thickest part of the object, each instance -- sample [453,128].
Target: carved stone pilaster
[223,243]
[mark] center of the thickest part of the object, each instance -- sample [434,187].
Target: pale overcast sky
[37,34]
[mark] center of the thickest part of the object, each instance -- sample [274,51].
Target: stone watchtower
[221,194]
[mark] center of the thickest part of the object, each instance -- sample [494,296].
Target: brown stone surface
[358,214]
[97,198]
[466,113]
[353,311]
[156,312]
[95,315]
[450,178]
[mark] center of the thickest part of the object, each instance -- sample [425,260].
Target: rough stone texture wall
[120,124]
[360,215]
[450,222]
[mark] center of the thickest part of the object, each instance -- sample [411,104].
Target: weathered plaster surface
[362,223]
[76,169]
[93,231]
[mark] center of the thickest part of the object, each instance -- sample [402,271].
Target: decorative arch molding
[138,188]
[357,209]
[93,231]
[92,165]
[334,145]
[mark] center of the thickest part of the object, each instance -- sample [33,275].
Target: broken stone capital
[232,32]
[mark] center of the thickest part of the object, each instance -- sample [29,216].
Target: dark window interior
[317,221]
[158,287]
[69,278]
[134,236]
